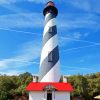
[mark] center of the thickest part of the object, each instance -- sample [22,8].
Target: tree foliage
[85,85]
[12,85]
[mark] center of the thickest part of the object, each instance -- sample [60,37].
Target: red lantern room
[50,3]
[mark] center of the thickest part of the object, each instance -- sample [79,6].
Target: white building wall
[62,96]
[36,95]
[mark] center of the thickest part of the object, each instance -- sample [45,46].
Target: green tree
[12,85]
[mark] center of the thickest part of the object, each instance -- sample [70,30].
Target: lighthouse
[49,64]
[49,86]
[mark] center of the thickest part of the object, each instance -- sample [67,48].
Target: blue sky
[21,28]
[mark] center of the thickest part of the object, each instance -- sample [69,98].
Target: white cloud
[77,68]
[77,22]
[38,1]
[30,20]
[21,20]
[2,63]
[77,35]
[86,34]
[6,1]
[86,5]
[15,1]
[3,2]
[10,5]
[11,72]
[26,56]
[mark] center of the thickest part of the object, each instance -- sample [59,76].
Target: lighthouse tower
[49,64]
[49,87]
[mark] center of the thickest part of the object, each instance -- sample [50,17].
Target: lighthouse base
[49,91]
[41,95]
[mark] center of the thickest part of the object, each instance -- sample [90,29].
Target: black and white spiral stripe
[49,71]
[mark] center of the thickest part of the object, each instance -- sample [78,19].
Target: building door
[49,96]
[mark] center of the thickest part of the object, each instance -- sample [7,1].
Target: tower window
[50,30]
[50,57]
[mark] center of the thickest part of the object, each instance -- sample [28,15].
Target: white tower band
[49,63]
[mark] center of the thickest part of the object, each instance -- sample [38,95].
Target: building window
[50,57]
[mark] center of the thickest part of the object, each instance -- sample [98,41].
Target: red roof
[41,85]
